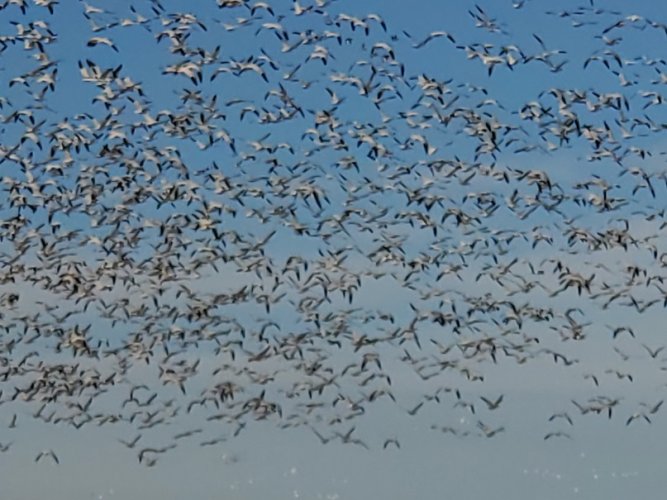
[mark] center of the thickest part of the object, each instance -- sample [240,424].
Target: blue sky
[270,166]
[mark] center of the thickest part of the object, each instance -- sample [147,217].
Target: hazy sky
[604,458]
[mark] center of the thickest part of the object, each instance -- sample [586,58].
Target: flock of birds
[285,212]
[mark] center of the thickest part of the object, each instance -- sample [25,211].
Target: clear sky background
[603,457]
